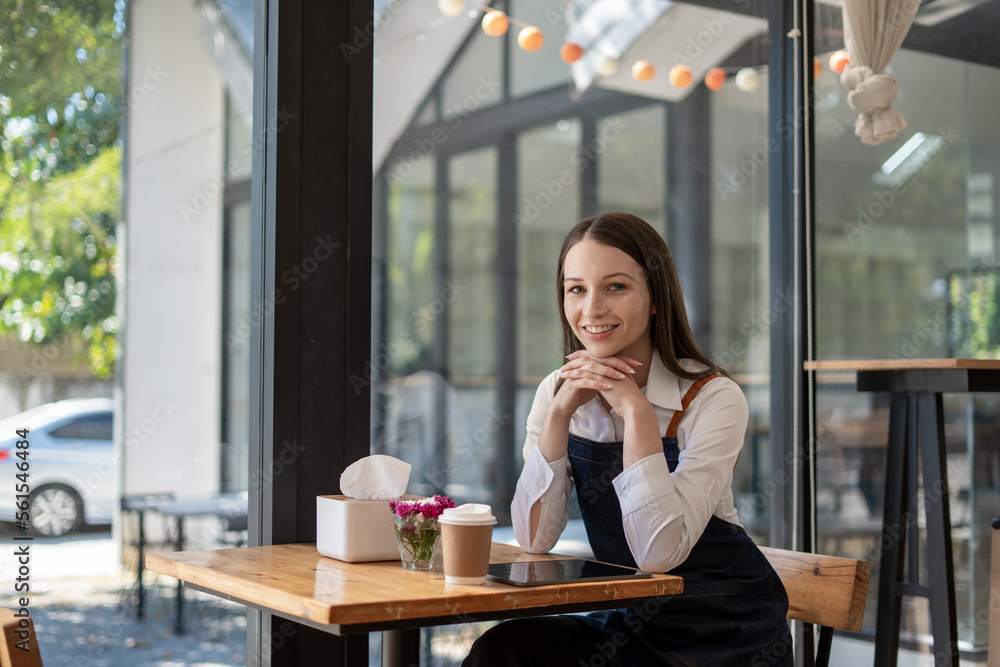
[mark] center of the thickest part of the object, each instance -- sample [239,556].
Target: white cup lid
[473,514]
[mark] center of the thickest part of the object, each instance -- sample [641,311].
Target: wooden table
[916,433]
[295,582]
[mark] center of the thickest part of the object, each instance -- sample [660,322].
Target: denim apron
[732,610]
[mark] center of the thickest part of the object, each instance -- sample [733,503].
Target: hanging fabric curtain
[873,32]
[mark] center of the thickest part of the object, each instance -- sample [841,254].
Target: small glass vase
[417,537]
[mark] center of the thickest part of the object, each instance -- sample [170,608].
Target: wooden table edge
[371,615]
[900,364]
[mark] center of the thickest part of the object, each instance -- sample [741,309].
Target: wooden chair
[20,646]
[827,591]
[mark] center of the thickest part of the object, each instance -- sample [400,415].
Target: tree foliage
[60,173]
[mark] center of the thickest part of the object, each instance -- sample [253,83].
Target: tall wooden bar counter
[916,433]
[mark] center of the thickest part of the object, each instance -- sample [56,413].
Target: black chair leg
[823,651]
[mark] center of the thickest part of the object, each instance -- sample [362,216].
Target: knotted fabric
[873,32]
[872,95]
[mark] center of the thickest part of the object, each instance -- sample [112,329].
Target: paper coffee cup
[466,536]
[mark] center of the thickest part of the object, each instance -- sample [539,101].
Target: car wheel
[55,510]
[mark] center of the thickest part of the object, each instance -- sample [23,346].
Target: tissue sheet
[376,476]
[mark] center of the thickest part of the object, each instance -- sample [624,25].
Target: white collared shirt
[664,513]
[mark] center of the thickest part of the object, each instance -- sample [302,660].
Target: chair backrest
[19,647]
[823,590]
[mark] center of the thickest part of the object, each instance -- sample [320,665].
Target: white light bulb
[747,79]
[451,7]
[607,66]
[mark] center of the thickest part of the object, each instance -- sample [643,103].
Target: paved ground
[83,607]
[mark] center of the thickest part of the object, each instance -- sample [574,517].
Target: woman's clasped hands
[586,376]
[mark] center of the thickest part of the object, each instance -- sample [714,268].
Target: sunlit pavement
[82,603]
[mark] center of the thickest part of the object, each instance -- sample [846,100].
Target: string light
[643,70]
[530,38]
[680,76]
[747,79]
[570,52]
[715,78]
[839,60]
[451,7]
[496,23]
[607,66]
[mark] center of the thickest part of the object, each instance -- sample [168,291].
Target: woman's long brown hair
[669,327]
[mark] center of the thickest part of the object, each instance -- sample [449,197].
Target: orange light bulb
[839,60]
[570,52]
[530,38]
[495,23]
[680,76]
[643,70]
[715,78]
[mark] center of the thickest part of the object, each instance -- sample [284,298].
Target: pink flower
[430,508]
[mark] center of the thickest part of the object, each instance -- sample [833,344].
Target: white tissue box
[355,530]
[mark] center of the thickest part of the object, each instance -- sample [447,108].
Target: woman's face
[606,301]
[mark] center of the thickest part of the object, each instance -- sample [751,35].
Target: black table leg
[401,648]
[916,435]
[893,537]
[179,621]
[141,567]
[940,567]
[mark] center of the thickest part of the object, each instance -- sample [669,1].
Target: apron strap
[686,401]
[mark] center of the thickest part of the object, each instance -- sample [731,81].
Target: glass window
[550,168]
[632,177]
[96,427]
[466,242]
[475,79]
[532,71]
[906,269]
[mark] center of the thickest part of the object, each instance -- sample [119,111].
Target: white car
[67,470]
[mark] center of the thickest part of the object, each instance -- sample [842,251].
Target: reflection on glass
[906,269]
[549,174]
[632,175]
[471,295]
[542,69]
[475,80]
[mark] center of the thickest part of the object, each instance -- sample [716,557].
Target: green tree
[60,173]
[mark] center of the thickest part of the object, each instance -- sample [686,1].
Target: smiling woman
[662,503]
[606,301]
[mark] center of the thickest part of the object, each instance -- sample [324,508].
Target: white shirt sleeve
[664,513]
[541,481]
